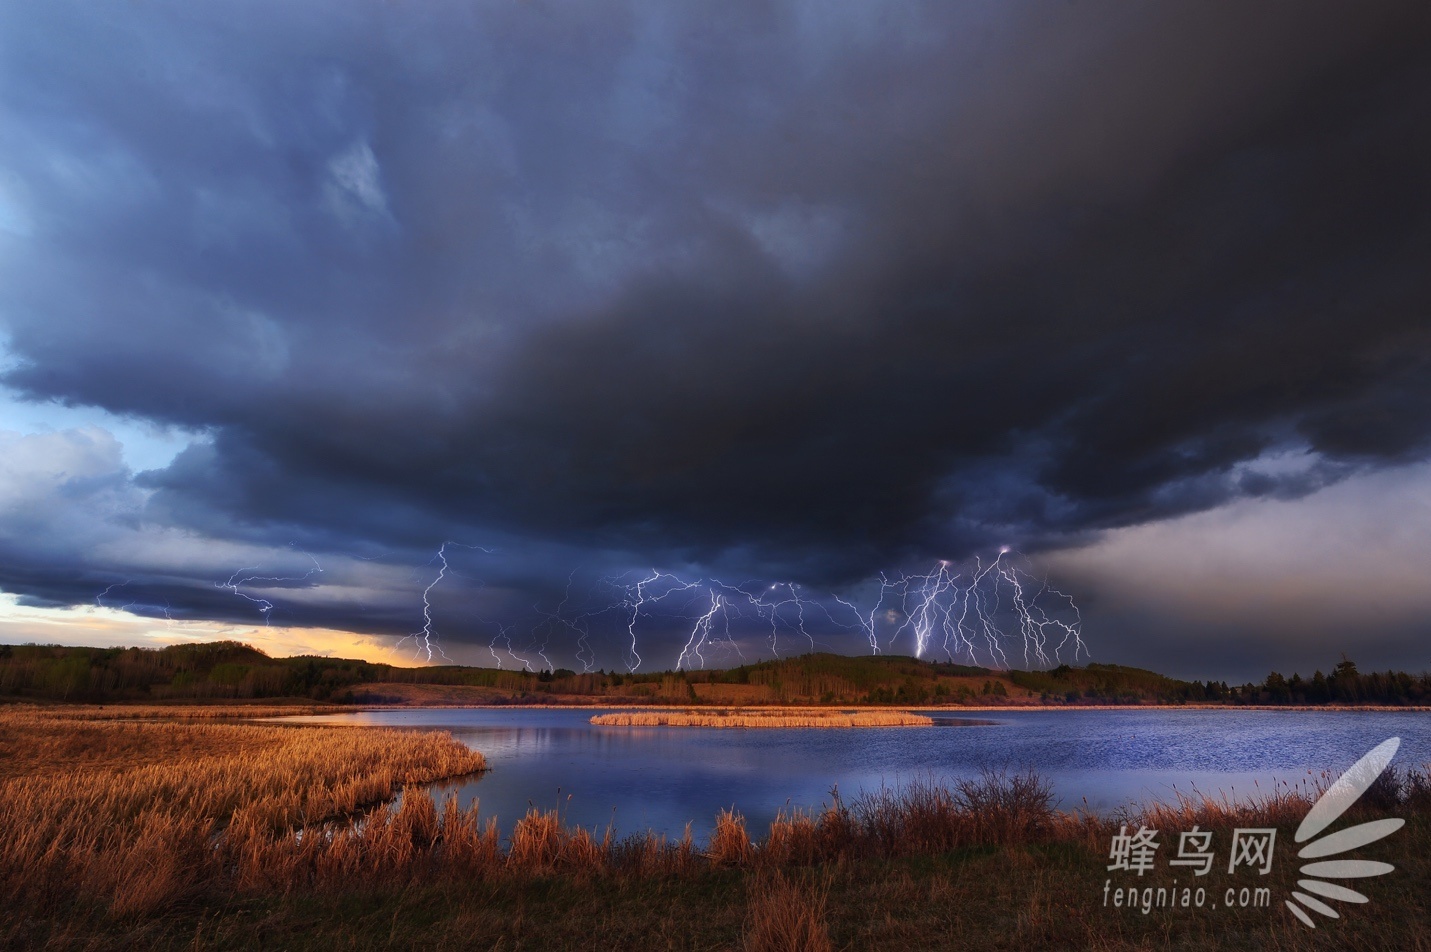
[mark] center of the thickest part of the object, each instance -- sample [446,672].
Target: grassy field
[132,814]
[217,834]
[761,718]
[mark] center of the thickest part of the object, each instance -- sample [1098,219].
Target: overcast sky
[781,294]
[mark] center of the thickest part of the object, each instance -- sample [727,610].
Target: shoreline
[925,708]
[265,708]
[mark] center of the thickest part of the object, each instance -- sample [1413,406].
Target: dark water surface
[660,778]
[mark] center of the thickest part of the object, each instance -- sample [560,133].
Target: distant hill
[231,671]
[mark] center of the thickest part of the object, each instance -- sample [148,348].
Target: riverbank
[203,834]
[607,704]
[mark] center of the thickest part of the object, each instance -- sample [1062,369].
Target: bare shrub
[836,830]
[1416,790]
[1386,792]
[1006,808]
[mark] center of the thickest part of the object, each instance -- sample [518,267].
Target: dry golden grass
[730,845]
[774,718]
[1280,806]
[132,813]
[786,915]
[541,843]
[165,712]
[48,739]
[796,838]
[143,820]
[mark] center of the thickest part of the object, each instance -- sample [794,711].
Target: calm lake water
[660,778]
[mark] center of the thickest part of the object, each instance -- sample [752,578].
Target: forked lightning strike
[425,641]
[265,607]
[980,611]
[960,614]
[977,612]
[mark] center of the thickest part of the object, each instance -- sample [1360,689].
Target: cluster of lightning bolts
[958,612]
[711,606]
[982,611]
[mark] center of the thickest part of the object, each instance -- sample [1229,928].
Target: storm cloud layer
[801,291]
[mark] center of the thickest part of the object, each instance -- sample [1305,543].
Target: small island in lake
[762,718]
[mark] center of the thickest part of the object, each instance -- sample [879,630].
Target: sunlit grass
[119,831]
[136,813]
[762,718]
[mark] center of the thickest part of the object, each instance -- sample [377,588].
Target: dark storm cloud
[806,290]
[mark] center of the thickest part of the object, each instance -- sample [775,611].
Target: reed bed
[136,813]
[139,816]
[132,816]
[17,713]
[1403,790]
[802,718]
[417,840]
[784,868]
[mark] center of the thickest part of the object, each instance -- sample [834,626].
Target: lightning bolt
[635,604]
[502,634]
[982,611]
[99,599]
[928,612]
[780,606]
[578,625]
[766,608]
[700,632]
[425,641]
[265,607]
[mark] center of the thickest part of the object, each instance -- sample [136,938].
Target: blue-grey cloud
[800,290]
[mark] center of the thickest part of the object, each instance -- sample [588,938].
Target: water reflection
[660,778]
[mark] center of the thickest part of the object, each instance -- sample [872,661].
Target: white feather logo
[1329,807]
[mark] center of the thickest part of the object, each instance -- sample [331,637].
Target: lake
[660,778]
